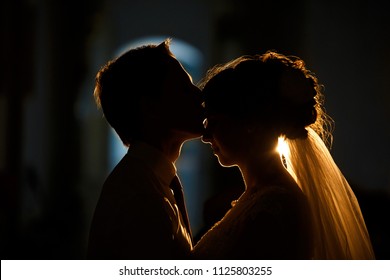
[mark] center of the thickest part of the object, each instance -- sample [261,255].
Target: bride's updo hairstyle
[271,88]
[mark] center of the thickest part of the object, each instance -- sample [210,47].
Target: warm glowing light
[282,147]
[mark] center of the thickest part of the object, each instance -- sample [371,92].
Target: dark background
[56,149]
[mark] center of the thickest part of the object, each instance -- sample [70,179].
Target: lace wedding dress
[267,223]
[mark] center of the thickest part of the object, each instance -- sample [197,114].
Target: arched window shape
[190,165]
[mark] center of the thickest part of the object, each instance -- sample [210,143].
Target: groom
[151,102]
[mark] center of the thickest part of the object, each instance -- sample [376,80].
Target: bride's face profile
[226,137]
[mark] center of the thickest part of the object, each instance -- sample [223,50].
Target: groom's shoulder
[129,183]
[133,177]
[130,169]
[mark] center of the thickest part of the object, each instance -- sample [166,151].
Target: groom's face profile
[181,101]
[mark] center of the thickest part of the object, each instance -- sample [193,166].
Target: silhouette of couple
[296,203]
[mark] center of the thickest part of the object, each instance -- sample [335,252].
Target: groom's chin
[225,163]
[194,131]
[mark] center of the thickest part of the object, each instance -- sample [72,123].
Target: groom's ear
[149,107]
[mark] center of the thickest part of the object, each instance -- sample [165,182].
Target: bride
[296,203]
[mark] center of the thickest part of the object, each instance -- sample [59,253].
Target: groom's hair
[123,81]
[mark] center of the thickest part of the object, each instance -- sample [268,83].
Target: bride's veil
[339,230]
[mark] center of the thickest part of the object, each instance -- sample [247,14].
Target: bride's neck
[262,171]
